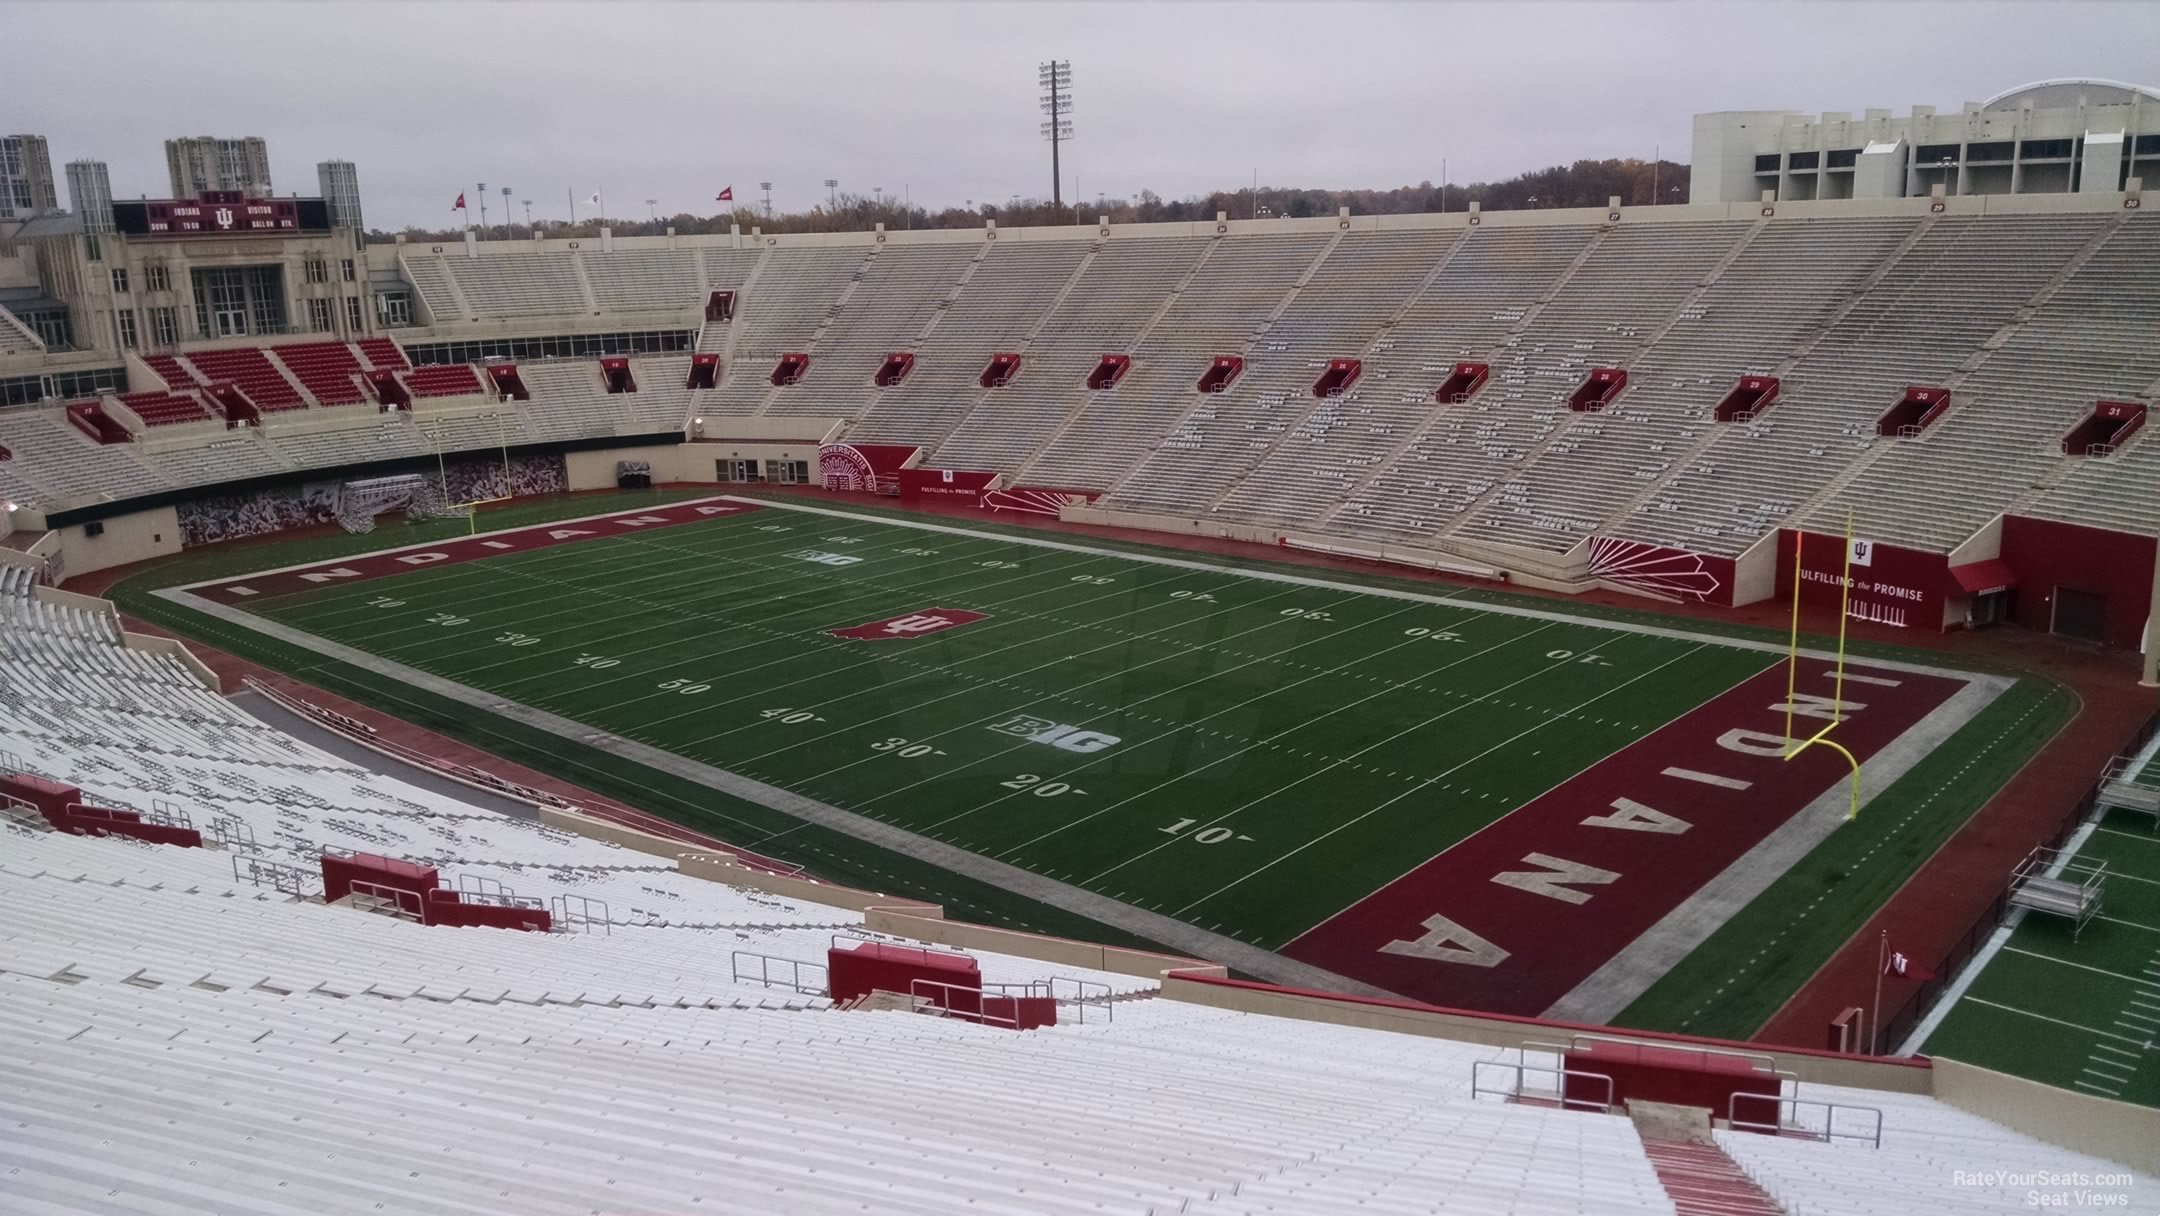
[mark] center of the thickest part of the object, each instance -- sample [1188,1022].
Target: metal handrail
[765,978]
[390,901]
[1515,1092]
[982,1014]
[566,910]
[290,879]
[1782,1126]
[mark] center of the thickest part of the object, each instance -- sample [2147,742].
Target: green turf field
[1348,735]
[2081,1012]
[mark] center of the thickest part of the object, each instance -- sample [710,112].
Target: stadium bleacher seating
[2027,319]
[443,380]
[165,409]
[327,370]
[193,1029]
[252,371]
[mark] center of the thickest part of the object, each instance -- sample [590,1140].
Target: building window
[2045,149]
[348,270]
[318,271]
[156,277]
[164,327]
[1844,158]
[2146,145]
[90,247]
[1933,154]
[353,320]
[124,328]
[394,310]
[1803,160]
[1767,163]
[119,281]
[1997,151]
[318,315]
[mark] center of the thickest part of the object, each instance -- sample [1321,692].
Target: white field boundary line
[1153,926]
[1277,576]
[681,613]
[543,525]
[1510,741]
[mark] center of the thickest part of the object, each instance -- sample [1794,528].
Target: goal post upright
[1792,665]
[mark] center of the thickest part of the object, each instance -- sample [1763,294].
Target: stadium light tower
[509,216]
[767,188]
[832,194]
[1056,79]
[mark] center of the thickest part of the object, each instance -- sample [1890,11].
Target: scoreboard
[221,213]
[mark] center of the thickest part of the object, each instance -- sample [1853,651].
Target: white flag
[1861,552]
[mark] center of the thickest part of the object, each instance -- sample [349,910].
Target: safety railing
[296,881]
[1805,1119]
[579,913]
[1082,995]
[1517,1088]
[806,979]
[982,1000]
[388,901]
[922,951]
[233,832]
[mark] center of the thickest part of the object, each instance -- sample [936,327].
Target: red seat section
[164,409]
[1462,382]
[253,372]
[174,373]
[1339,376]
[1598,391]
[91,419]
[382,352]
[1749,398]
[1220,373]
[1108,371]
[326,369]
[1920,406]
[443,380]
[704,371]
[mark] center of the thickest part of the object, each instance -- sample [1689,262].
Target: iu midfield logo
[913,625]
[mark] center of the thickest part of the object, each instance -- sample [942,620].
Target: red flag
[727,195]
[459,205]
[1904,968]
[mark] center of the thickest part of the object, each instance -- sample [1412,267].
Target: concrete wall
[595,470]
[126,538]
[2115,1131]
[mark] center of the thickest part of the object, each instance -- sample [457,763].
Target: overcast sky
[673,101]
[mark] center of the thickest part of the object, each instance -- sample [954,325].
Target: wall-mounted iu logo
[1056,734]
[913,625]
[224,217]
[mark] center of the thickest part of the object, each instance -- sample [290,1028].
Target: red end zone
[362,567]
[1514,917]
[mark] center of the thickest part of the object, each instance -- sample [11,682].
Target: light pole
[1055,77]
[528,217]
[483,211]
[1949,166]
[507,220]
[652,210]
[832,194]
[767,188]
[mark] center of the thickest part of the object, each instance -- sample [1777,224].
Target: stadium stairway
[1703,1181]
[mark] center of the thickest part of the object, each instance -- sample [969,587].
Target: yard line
[2155,985]
[2147,1044]
[1300,725]
[1696,649]
[1492,607]
[839,729]
[1226,816]
[1127,708]
[873,657]
[2148,839]
[679,615]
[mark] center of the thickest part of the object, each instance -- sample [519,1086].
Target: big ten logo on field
[1056,734]
[823,558]
[912,625]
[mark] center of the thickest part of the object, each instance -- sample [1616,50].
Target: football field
[1438,793]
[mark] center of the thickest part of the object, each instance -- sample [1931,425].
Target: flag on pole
[459,205]
[1906,969]
[726,195]
[595,197]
